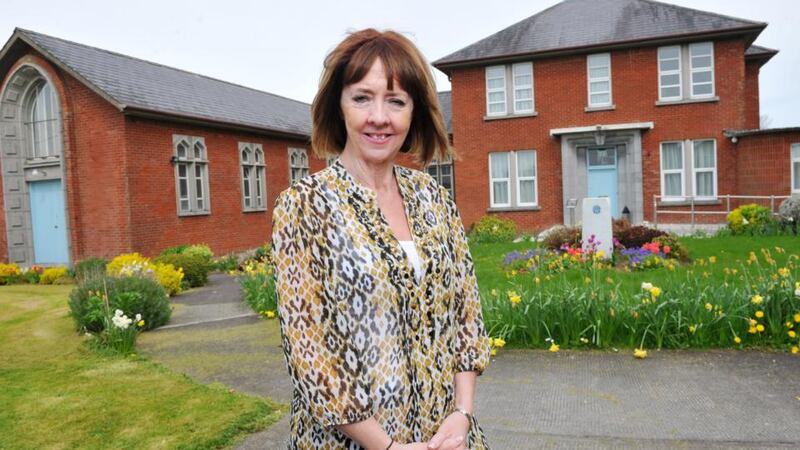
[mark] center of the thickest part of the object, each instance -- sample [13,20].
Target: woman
[379,309]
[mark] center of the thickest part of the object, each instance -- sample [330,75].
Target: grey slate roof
[757,50]
[574,24]
[135,84]
[446,103]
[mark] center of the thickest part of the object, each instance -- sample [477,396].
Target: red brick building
[102,153]
[629,99]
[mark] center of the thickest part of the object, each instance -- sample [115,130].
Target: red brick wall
[765,163]
[560,98]
[752,106]
[155,223]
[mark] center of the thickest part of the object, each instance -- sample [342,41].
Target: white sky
[278,46]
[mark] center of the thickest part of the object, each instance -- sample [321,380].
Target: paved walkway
[526,399]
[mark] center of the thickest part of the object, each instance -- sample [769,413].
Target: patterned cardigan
[360,335]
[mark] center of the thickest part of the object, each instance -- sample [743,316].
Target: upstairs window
[298,164]
[599,79]
[442,172]
[41,121]
[253,185]
[686,72]
[191,174]
[519,95]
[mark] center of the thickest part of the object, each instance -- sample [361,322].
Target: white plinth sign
[597,225]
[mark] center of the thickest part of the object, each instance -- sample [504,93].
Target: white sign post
[597,225]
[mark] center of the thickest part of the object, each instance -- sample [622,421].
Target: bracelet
[466,414]
[390,444]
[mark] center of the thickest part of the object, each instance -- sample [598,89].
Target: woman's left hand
[452,434]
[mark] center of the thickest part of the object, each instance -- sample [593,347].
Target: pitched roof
[581,24]
[446,104]
[134,85]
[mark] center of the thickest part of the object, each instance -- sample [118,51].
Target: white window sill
[254,210]
[194,213]
[589,109]
[513,208]
[687,101]
[704,202]
[510,116]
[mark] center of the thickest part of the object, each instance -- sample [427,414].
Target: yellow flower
[792,333]
[709,306]
[554,347]
[794,349]
[692,328]
[789,324]
[640,353]
[270,314]
[587,280]
[752,322]
[760,328]
[655,291]
[635,314]
[712,259]
[600,254]
[499,343]
[537,280]
[584,340]
[140,323]
[513,273]
[609,280]
[515,299]
[494,292]
[752,330]
[493,352]
[756,299]
[737,339]
[759,314]
[796,317]
[784,272]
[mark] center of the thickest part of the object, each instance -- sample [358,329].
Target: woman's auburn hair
[349,62]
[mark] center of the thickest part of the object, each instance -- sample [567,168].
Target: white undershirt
[413,256]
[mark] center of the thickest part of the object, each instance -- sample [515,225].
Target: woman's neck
[378,177]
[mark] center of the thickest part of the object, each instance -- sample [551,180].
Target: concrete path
[526,399]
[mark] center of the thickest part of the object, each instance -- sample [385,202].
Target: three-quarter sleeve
[472,344]
[327,374]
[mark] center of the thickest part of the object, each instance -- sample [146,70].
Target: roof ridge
[724,16]
[111,52]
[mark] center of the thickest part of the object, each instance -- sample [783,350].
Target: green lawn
[56,394]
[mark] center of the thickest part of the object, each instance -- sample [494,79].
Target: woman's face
[377,119]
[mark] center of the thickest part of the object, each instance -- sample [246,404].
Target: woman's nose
[378,114]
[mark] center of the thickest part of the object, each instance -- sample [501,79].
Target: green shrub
[493,229]
[90,268]
[557,237]
[51,274]
[177,250]
[201,250]
[751,219]
[263,253]
[226,263]
[637,236]
[258,288]
[131,295]
[195,267]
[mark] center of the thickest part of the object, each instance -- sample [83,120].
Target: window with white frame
[41,121]
[520,93]
[686,72]
[672,182]
[496,91]
[513,179]
[669,73]
[704,169]
[796,168]
[598,68]
[523,87]
[191,174]
[442,172]
[298,164]
[251,157]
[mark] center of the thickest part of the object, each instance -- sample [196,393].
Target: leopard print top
[361,336]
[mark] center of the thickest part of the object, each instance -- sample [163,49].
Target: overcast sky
[278,46]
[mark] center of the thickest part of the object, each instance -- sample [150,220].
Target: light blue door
[601,164]
[49,226]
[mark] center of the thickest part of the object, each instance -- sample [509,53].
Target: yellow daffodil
[554,347]
[789,324]
[493,352]
[752,322]
[140,323]
[709,306]
[752,330]
[792,334]
[796,317]
[655,292]
[692,328]
[737,339]
[712,259]
[584,340]
[587,280]
[784,272]
[759,314]
[609,280]
[499,343]
[537,280]
[494,292]
[794,350]
[756,299]
[640,353]
[635,314]
[513,273]
[270,314]
[760,328]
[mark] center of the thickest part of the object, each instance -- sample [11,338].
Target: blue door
[601,164]
[49,226]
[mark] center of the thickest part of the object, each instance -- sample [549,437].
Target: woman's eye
[360,98]
[397,102]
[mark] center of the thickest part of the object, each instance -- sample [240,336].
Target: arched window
[252,176]
[41,120]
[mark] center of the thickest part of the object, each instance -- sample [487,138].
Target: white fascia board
[593,128]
